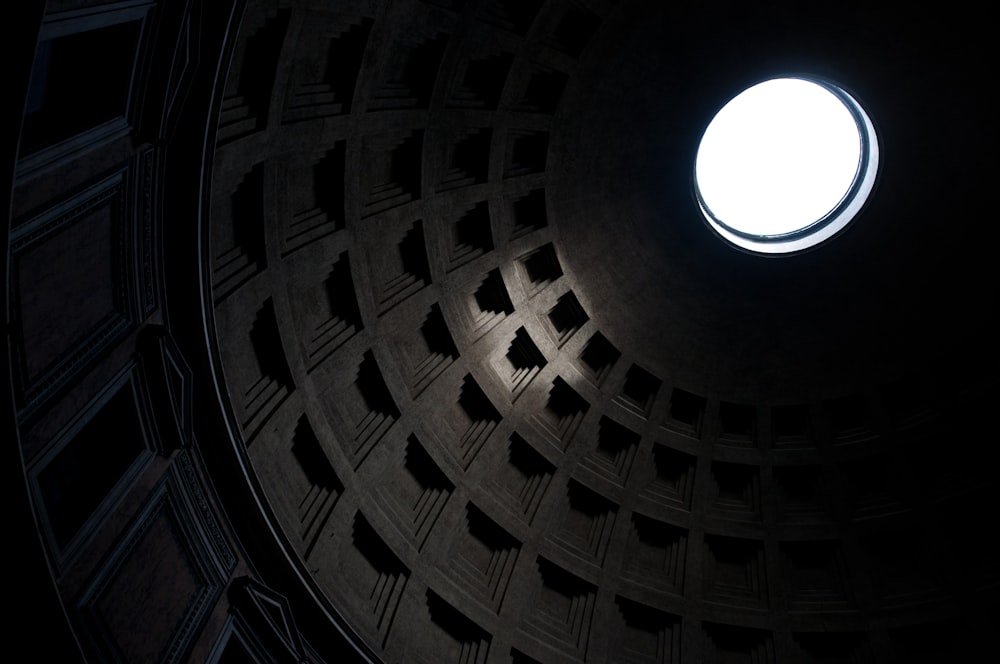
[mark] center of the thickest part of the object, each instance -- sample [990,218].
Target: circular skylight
[785,165]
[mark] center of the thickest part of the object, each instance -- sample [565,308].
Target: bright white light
[780,156]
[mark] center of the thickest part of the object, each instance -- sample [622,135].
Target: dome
[394,331]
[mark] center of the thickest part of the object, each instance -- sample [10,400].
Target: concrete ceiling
[433,334]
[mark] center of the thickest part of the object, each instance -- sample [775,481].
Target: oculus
[785,165]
